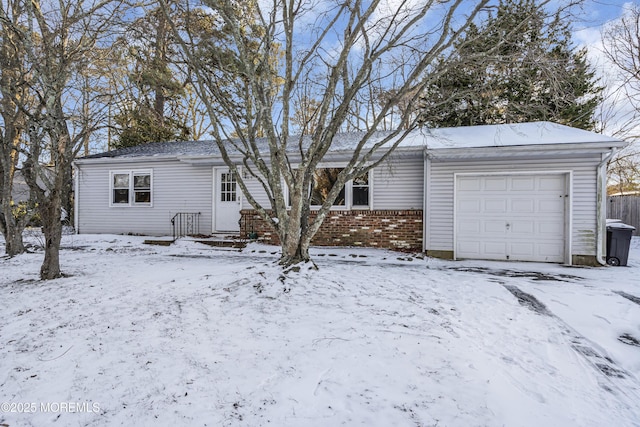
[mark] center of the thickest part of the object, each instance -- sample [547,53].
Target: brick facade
[398,230]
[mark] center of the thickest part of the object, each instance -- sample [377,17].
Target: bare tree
[624,173]
[621,45]
[13,78]
[61,42]
[621,42]
[258,58]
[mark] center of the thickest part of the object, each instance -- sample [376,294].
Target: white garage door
[511,217]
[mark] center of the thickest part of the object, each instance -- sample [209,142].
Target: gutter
[511,150]
[601,207]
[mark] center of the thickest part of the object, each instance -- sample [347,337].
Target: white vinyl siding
[440,210]
[177,187]
[257,192]
[398,184]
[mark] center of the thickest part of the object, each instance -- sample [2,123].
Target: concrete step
[224,243]
[158,242]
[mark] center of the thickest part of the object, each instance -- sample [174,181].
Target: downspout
[601,207]
[76,197]
[425,192]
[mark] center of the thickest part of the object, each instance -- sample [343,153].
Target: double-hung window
[131,188]
[360,191]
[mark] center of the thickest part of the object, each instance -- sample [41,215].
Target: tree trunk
[52,229]
[10,226]
[294,251]
[292,237]
[14,244]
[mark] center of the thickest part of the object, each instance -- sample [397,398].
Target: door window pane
[227,187]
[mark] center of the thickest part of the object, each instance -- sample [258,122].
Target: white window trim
[348,193]
[131,173]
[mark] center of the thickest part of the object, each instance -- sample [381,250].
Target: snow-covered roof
[521,134]
[463,138]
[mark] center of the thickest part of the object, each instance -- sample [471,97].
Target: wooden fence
[625,208]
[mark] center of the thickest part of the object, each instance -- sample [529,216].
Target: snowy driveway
[189,335]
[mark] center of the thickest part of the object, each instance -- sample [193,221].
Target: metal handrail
[185,224]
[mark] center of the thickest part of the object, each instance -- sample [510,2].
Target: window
[131,188]
[354,194]
[142,188]
[360,190]
[120,188]
[227,187]
[323,181]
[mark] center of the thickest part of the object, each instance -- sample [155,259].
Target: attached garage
[520,217]
[522,192]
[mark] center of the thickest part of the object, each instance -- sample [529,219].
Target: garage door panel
[523,206]
[549,250]
[470,226]
[495,206]
[495,184]
[473,206]
[551,205]
[551,182]
[469,249]
[553,228]
[522,251]
[523,227]
[498,227]
[523,184]
[495,248]
[519,217]
[468,184]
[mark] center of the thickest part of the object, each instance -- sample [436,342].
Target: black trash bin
[618,242]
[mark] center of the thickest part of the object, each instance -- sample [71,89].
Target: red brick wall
[399,230]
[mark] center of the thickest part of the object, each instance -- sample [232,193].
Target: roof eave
[510,150]
[123,159]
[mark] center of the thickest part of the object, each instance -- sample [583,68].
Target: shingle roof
[172,148]
[522,134]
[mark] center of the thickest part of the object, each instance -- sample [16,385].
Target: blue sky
[595,15]
[616,111]
[601,11]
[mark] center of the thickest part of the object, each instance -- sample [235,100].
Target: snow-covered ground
[189,335]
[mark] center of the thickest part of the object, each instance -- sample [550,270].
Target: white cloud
[616,110]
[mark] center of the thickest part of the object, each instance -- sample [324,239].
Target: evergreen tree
[517,66]
[152,108]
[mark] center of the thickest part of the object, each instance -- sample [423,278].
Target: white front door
[511,217]
[227,201]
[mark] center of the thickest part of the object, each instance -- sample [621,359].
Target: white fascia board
[331,156]
[124,160]
[510,151]
[207,160]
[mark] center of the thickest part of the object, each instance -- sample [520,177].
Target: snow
[461,137]
[193,335]
[620,226]
[517,134]
[534,133]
